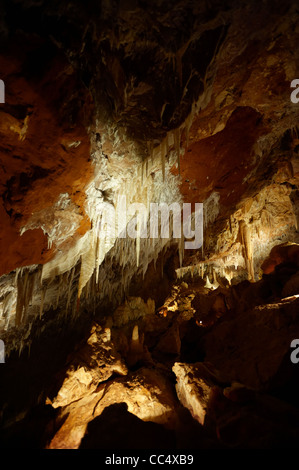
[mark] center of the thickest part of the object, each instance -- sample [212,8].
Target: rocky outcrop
[96,362]
[194,388]
[148,396]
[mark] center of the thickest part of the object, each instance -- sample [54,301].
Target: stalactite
[142,171]
[215,280]
[162,111]
[150,149]
[181,250]
[177,147]
[168,142]
[87,264]
[247,248]
[221,273]
[69,290]
[60,283]
[257,228]
[228,274]
[137,248]
[43,294]
[145,256]
[21,347]
[21,296]
[188,124]
[230,224]
[163,154]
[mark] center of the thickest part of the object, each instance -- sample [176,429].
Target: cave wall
[159,101]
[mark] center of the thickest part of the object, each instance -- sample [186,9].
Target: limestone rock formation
[94,363]
[147,395]
[194,388]
[118,120]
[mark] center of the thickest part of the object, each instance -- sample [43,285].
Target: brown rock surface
[251,347]
[39,161]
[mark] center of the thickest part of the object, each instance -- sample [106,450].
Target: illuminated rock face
[246,354]
[193,388]
[164,102]
[198,112]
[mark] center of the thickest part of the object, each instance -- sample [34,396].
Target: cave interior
[112,335]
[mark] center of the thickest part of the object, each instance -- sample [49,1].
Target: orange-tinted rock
[39,158]
[285,253]
[221,162]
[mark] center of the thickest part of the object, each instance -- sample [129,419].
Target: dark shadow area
[28,379]
[33,431]
[117,428]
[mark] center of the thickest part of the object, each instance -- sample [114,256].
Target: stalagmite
[208,285]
